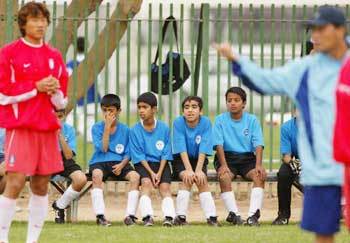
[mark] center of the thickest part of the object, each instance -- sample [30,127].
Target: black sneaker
[213,221]
[101,220]
[130,220]
[280,220]
[180,220]
[234,219]
[168,221]
[254,219]
[59,214]
[148,221]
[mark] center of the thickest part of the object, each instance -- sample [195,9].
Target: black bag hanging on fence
[177,80]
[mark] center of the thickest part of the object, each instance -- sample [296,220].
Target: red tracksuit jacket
[22,64]
[342,131]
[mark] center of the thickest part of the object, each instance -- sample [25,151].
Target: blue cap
[327,15]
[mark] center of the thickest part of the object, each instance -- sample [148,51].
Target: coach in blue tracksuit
[310,82]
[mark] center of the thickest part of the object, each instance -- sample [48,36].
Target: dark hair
[33,9]
[148,98]
[110,100]
[237,90]
[194,98]
[80,44]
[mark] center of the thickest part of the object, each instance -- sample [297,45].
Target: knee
[164,190]
[225,179]
[97,177]
[79,181]
[146,185]
[39,188]
[134,178]
[258,181]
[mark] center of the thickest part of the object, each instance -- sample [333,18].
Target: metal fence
[270,35]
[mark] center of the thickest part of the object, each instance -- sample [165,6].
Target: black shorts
[178,166]
[69,166]
[2,158]
[239,163]
[166,176]
[107,170]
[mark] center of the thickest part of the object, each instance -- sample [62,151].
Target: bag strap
[168,20]
[198,53]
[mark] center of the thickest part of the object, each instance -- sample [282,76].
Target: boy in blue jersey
[311,83]
[239,144]
[150,149]
[112,159]
[289,171]
[71,170]
[192,143]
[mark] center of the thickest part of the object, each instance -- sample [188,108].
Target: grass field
[88,232]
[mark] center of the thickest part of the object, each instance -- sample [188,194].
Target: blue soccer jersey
[68,133]
[194,140]
[238,136]
[289,131]
[118,148]
[151,146]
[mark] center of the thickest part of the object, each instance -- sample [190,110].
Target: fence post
[205,58]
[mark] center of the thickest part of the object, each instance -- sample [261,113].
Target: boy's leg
[133,195]
[16,182]
[167,201]
[227,194]
[38,206]
[145,203]
[257,193]
[183,195]
[285,178]
[207,201]
[97,199]
[73,171]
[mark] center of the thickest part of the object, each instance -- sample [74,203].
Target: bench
[61,183]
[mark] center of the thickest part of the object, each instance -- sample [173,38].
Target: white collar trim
[31,44]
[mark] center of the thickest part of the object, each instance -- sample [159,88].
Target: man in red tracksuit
[33,81]
[342,132]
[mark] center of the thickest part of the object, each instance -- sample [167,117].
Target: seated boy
[71,170]
[150,149]
[289,171]
[192,142]
[111,159]
[239,146]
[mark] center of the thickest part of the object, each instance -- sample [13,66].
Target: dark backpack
[177,80]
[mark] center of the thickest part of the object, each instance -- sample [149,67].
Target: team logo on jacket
[119,148]
[51,63]
[160,145]
[246,132]
[198,139]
